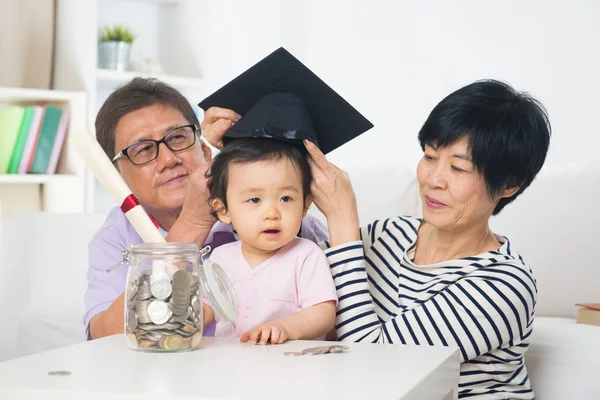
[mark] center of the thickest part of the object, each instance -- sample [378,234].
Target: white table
[227,369]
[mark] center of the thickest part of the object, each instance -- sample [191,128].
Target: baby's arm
[310,323]
[209,314]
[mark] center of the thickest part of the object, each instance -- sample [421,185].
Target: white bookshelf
[60,192]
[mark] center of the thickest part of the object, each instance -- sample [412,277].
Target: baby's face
[265,203]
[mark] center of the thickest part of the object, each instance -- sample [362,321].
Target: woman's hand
[333,194]
[275,332]
[215,123]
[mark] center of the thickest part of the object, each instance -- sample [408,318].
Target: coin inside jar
[159,312]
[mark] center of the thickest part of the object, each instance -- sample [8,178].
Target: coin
[159,312]
[180,318]
[173,342]
[196,340]
[132,321]
[185,343]
[131,339]
[338,349]
[141,310]
[316,350]
[146,344]
[161,288]
[59,373]
[143,291]
[293,353]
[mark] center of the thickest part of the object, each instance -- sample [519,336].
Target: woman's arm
[478,313]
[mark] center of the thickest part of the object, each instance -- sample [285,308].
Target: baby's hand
[276,331]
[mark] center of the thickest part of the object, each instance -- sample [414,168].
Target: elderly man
[151,133]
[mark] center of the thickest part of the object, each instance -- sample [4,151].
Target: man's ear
[206,151]
[307,203]
[219,208]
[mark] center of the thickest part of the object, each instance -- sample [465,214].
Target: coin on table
[316,350]
[196,340]
[338,349]
[293,353]
[59,373]
[159,312]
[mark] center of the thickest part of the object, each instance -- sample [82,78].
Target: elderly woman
[446,279]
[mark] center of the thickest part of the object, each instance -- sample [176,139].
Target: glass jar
[167,284]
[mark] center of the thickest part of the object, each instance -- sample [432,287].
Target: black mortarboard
[281,98]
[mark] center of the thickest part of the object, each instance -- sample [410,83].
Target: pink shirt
[296,277]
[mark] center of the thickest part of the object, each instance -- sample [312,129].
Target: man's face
[161,184]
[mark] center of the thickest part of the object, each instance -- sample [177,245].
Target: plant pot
[114,55]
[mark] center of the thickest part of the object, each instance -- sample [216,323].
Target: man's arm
[109,322]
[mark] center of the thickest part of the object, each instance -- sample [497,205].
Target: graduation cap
[280,98]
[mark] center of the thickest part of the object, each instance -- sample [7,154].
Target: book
[13,167]
[589,314]
[10,123]
[63,126]
[45,143]
[32,137]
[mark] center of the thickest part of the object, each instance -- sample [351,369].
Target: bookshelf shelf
[34,178]
[119,77]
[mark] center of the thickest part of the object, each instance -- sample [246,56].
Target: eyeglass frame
[123,153]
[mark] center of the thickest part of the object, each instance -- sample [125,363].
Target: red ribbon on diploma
[130,202]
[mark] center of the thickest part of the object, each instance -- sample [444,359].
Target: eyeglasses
[145,151]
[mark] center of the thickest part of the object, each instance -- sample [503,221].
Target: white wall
[394,60]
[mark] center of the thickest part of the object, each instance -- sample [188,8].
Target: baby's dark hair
[246,151]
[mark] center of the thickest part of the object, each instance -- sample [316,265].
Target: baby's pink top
[296,277]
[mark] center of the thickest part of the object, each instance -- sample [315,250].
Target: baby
[283,283]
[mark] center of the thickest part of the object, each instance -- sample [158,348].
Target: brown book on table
[589,314]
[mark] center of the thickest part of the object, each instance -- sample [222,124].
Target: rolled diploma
[96,160]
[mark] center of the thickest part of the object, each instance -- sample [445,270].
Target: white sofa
[553,225]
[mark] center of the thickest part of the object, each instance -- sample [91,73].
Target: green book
[10,124]
[45,143]
[13,167]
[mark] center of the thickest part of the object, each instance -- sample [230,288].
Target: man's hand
[215,123]
[196,220]
[276,332]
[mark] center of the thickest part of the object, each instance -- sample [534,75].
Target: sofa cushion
[44,265]
[563,359]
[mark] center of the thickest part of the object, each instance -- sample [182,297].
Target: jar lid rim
[168,248]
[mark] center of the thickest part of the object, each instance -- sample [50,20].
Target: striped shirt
[484,305]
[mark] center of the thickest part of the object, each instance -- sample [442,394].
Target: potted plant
[114,45]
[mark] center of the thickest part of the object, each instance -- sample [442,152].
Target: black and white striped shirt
[484,305]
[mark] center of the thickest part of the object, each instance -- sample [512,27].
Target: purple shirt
[117,234]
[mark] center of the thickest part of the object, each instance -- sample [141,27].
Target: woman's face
[453,193]
[161,184]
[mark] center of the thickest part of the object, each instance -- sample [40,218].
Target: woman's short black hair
[246,151]
[508,133]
